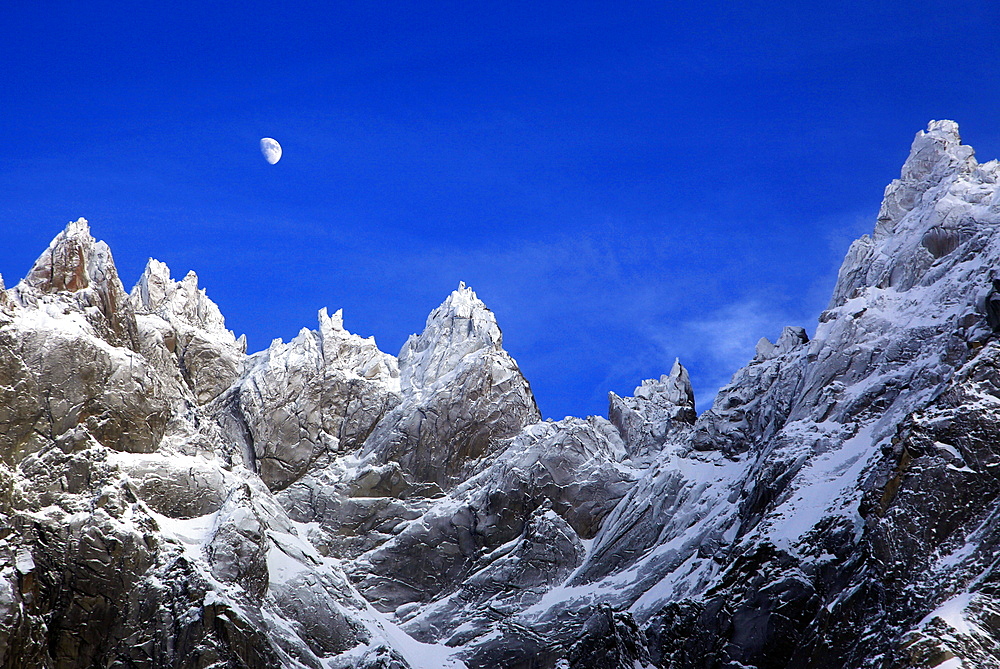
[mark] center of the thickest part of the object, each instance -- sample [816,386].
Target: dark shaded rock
[610,640]
[992,306]
[574,466]
[507,580]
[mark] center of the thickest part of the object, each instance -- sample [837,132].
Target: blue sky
[622,183]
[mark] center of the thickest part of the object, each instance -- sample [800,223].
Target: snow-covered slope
[168,500]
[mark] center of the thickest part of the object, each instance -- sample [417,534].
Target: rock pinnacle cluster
[169,500]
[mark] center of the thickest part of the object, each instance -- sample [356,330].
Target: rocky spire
[656,410]
[938,204]
[77,264]
[460,327]
[154,287]
[462,394]
[678,386]
[72,262]
[157,293]
[791,337]
[343,350]
[192,328]
[935,155]
[5,301]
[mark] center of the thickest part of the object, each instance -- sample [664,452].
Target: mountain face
[167,500]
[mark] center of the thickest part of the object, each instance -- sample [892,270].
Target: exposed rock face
[134,529]
[78,271]
[69,365]
[574,466]
[657,410]
[458,355]
[507,579]
[168,501]
[322,392]
[179,318]
[767,531]
[5,302]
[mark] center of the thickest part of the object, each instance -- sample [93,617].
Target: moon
[271,150]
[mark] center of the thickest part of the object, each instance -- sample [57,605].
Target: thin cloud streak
[585,315]
[717,346]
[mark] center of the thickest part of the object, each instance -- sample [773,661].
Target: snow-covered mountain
[167,500]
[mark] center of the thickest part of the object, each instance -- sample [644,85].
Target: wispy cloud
[717,341]
[583,313]
[716,344]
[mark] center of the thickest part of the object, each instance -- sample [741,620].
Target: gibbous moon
[271,150]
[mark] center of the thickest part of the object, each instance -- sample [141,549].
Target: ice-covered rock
[137,530]
[462,395]
[936,205]
[321,393]
[657,409]
[167,500]
[795,530]
[177,317]
[506,580]
[576,467]
[77,272]
[57,376]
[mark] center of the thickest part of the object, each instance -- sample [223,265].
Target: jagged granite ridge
[168,500]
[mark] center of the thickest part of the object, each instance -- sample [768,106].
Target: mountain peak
[322,507]
[334,322]
[674,387]
[79,226]
[4,298]
[154,285]
[463,303]
[937,156]
[73,261]
[657,408]
[940,202]
[157,293]
[938,149]
[80,272]
[461,325]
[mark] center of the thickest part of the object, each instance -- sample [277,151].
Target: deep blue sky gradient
[622,183]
